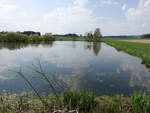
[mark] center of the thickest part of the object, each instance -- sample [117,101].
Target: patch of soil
[138,41]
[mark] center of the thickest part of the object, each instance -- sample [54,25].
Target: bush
[83,101]
[15,37]
[3,38]
[34,38]
[140,103]
[48,37]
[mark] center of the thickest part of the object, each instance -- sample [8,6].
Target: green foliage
[84,101]
[3,38]
[24,103]
[93,39]
[112,108]
[115,104]
[6,111]
[34,38]
[140,103]
[13,37]
[48,37]
[18,37]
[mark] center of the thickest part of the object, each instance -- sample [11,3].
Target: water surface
[84,66]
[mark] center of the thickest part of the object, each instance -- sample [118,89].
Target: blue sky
[114,17]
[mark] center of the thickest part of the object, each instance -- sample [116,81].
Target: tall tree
[97,33]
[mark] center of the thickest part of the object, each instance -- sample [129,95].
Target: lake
[83,66]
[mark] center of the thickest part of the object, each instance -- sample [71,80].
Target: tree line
[31,36]
[21,37]
[95,34]
[146,36]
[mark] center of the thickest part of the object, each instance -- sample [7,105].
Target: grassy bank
[141,50]
[75,39]
[17,37]
[77,101]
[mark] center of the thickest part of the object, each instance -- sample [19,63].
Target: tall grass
[140,103]
[84,101]
[25,103]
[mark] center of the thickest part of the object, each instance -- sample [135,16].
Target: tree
[146,36]
[97,33]
[48,37]
[90,35]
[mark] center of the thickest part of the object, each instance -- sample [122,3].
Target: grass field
[141,50]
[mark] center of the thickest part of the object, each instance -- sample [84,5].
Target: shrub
[3,38]
[84,101]
[140,102]
[48,37]
[14,37]
[34,38]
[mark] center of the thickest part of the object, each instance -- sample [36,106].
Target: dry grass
[137,41]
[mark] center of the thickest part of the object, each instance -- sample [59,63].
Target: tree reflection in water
[94,46]
[15,46]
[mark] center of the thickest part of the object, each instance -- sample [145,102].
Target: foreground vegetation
[141,50]
[74,102]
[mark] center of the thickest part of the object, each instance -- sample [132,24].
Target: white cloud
[7,16]
[6,12]
[110,2]
[79,2]
[124,7]
[118,27]
[139,17]
[141,14]
[14,19]
[24,13]
[75,18]
[6,60]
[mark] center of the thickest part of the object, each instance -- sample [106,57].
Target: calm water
[84,66]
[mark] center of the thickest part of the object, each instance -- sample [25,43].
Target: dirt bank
[138,41]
